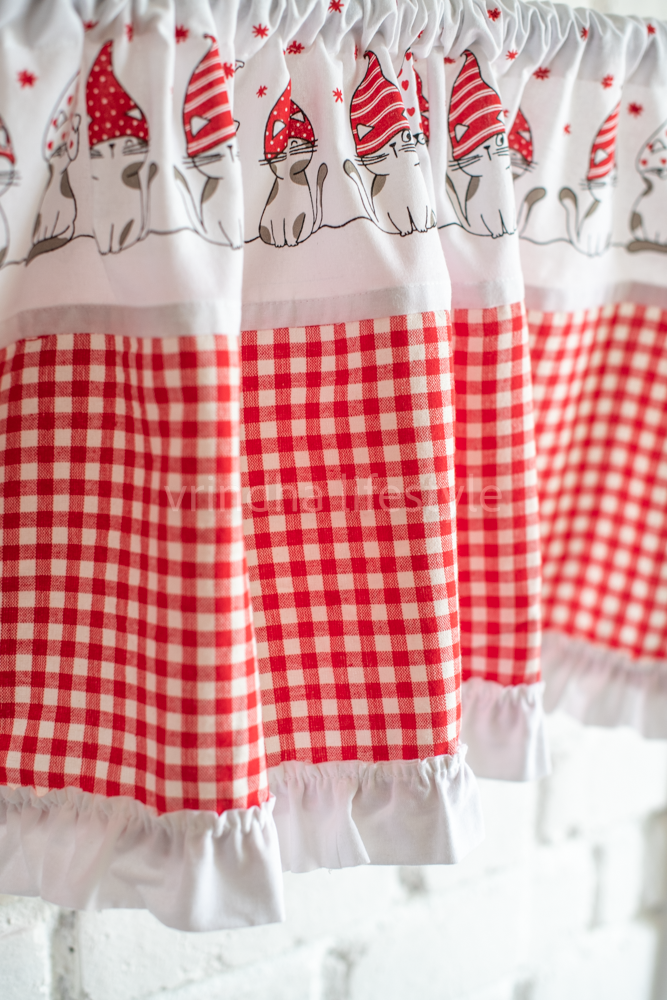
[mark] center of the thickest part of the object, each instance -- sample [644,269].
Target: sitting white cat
[291,214]
[398,200]
[648,221]
[212,193]
[118,194]
[589,228]
[487,207]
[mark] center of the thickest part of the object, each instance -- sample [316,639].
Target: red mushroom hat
[377,113]
[423,107]
[207,113]
[6,148]
[520,137]
[113,113]
[59,129]
[475,110]
[286,121]
[603,150]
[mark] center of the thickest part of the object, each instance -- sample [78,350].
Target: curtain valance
[274,420]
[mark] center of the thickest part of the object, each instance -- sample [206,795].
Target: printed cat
[291,214]
[589,228]
[118,153]
[54,225]
[396,200]
[484,204]
[212,191]
[7,178]
[649,214]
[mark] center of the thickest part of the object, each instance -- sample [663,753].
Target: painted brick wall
[563,901]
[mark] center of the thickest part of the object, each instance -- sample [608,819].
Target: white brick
[563,885]
[600,777]
[654,890]
[24,964]
[294,976]
[611,963]
[439,948]
[620,863]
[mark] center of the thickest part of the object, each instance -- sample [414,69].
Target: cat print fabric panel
[649,213]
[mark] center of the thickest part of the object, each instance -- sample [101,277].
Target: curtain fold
[332,397]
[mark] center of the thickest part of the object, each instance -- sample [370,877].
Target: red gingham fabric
[498,548]
[600,388]
[355,609]
[127,653]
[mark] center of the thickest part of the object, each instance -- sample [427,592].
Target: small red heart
[408,55]
[410,111]
[405,84]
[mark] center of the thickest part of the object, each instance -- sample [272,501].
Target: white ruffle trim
[199,871]
[195,871]
[337,815]
[504,729]
[604,687]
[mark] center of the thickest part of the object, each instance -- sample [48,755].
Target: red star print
[494,14]
[129,31]
[228,70]
[607,81]
[651,29]
[294,48]
[338,95]
[584,33]
[567,129]
[26,78]
[260,30]
[635,109]
[181,33]
[449,62]
[262,92]
[89,25]
[543,73]
[512,54]
[336,6]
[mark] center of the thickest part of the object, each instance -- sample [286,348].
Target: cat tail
[456,204]
[322,172]
[351,171]
[531,199]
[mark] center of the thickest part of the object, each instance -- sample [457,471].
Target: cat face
[115,157]
[294,160]
[486,158]
[401,148]
[652,159]
[217,162]
[603,188]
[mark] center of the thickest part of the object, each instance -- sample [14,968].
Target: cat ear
[278,126]
[363,130]
[460,131]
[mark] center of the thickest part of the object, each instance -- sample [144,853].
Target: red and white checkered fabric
[127,652]
[600,389]
[355,605]
[496,487]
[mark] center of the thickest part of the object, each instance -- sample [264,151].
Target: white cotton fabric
[195,871]
[338,815]
[604,687]
[198,871]
[504,729]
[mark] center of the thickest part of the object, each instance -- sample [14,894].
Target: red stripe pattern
[497,509]
[349,429]
[128,663]
[600,383]
[377,112]
[207,113]
[475,110]
[603,151]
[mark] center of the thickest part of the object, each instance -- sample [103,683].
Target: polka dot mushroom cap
[59,129]
[113,113]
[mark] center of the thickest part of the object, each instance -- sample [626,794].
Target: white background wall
[565,900]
